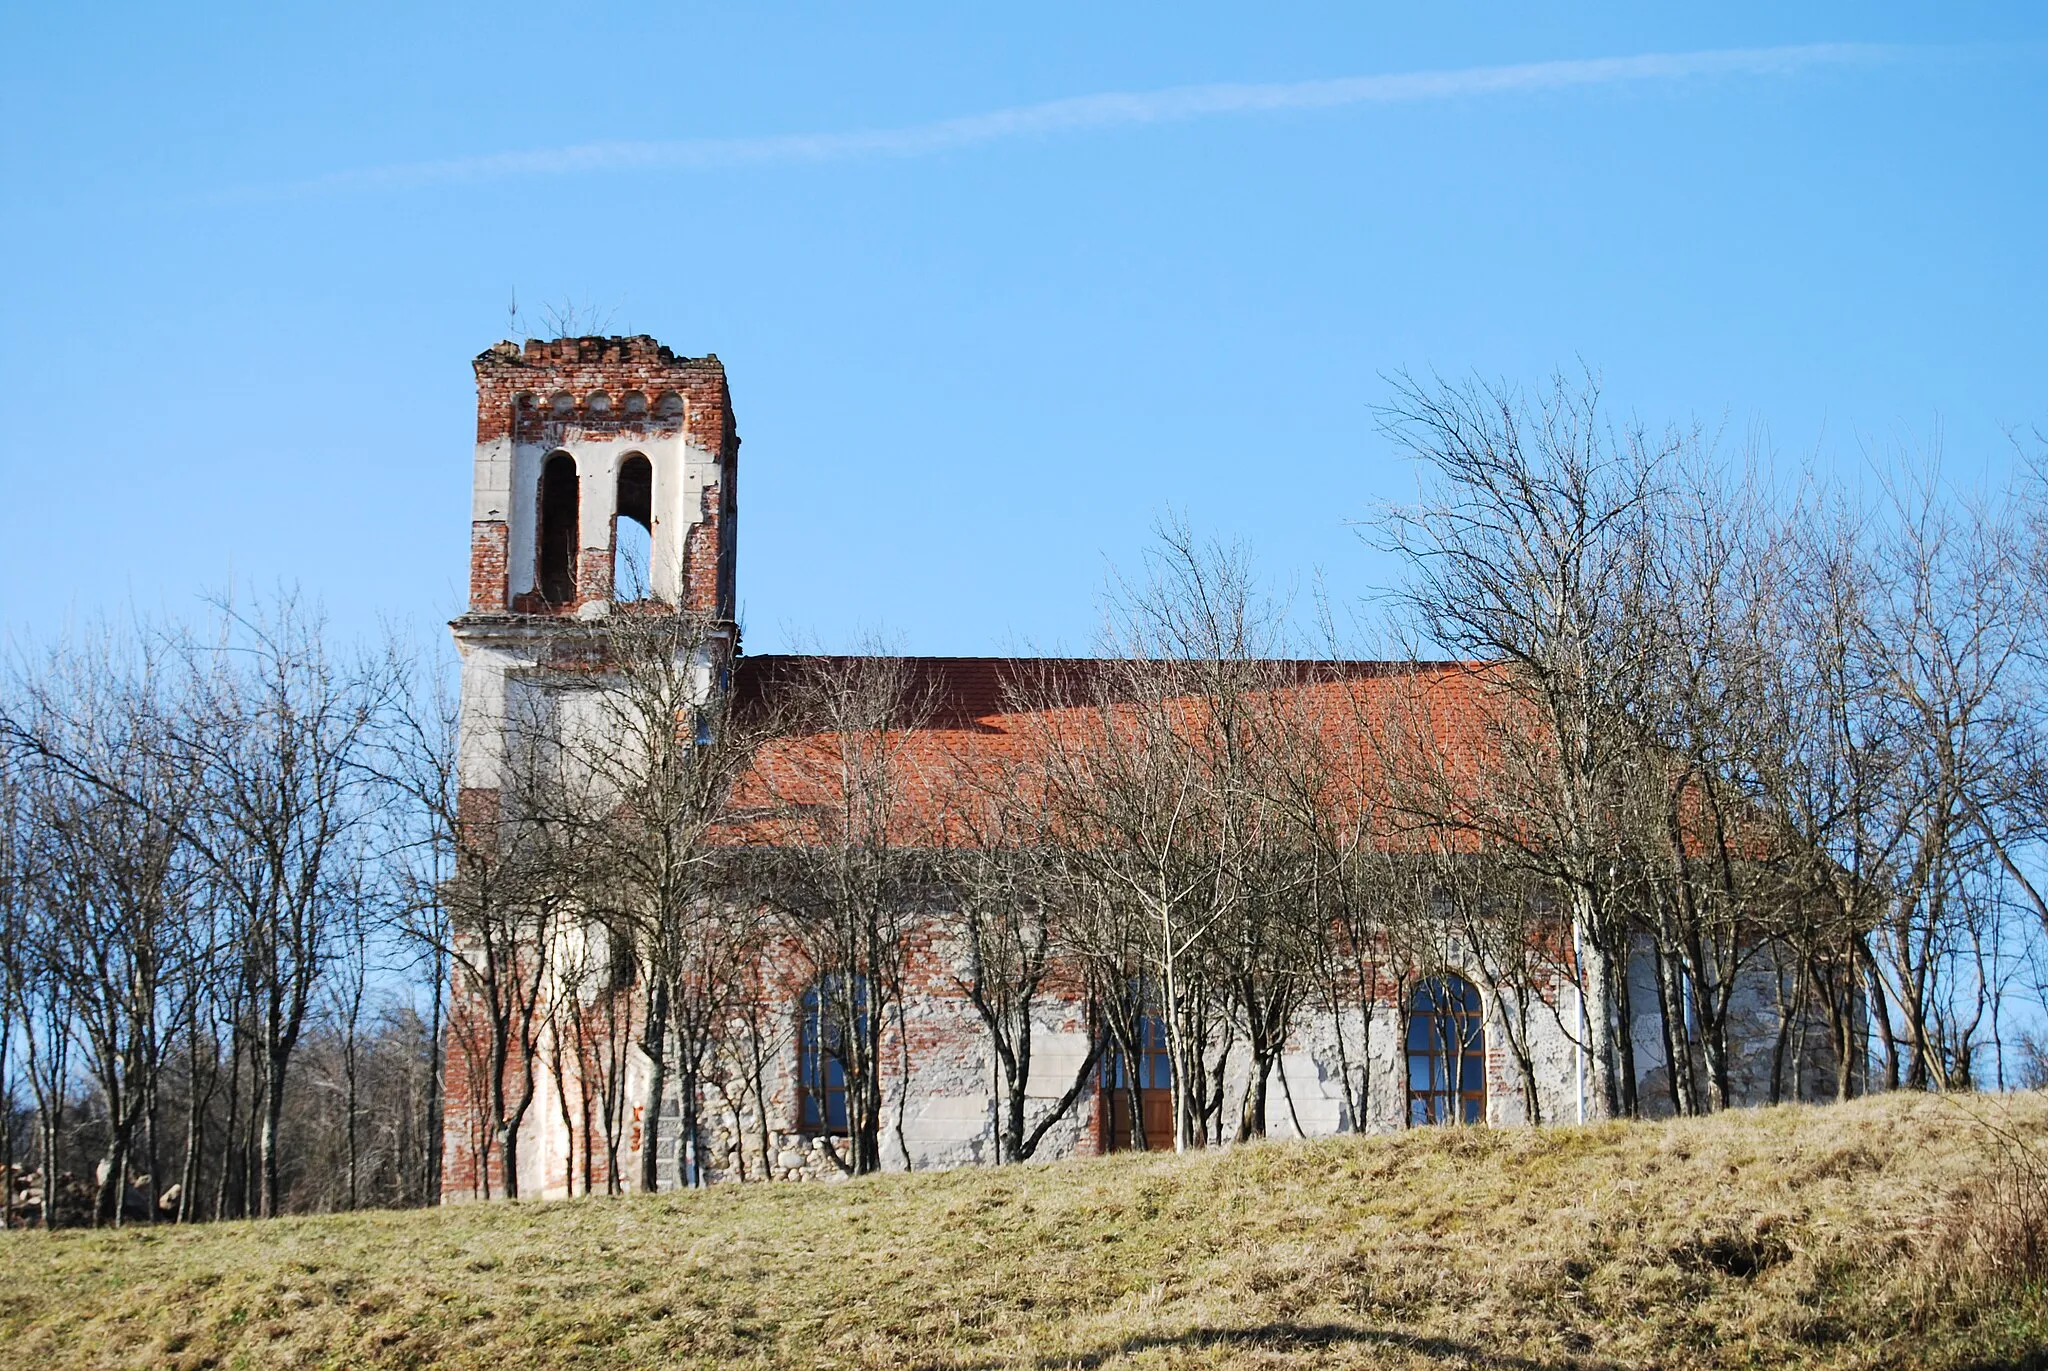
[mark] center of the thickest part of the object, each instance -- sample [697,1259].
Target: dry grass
[1879,1234]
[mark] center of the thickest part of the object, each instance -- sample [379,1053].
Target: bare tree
[412,759]
[13,933]
[521,873]
[1942,637]
[276,730]
[1006,905]
[38,994]
[660,747]
[1520,555]
[1160,771]
[1337,782]
[850,870]
[112,806]
[1458,898]
[1713,890]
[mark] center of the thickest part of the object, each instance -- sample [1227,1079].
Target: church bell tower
[606,482]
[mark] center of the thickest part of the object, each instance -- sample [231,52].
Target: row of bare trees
[1756,766]
[1744,726]
[195,920]
[1646,739]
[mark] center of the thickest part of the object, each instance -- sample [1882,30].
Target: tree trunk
[1625,1075]
[1677,1050]
[508,1158]
[6,1125]
[1788,1008]
[227,1164]
[1251,1122]
[1881,1012]
[562,1108]
[1596,987]
[273,1114]
[435,1071]
[1016,1078]
[112,1188]
[149,1133]
[1714,1048]
[689,1159]
[52,1121]
[759,1063]
[354,1159]
[654,1044]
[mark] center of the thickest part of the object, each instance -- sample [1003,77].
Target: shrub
[1993,1238]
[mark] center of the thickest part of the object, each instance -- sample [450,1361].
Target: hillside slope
[1861,1236]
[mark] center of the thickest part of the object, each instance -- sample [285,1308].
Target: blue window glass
[1155,1063]
[1446,1052]
[821,1045]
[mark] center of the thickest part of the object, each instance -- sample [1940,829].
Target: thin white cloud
[1078,113]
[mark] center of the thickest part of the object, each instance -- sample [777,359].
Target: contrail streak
[1076,114]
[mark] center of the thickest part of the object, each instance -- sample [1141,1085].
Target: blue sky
[981,325]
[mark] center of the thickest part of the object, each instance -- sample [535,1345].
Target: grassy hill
[1887,1233]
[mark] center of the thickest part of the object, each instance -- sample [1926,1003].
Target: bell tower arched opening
[633,530]
[558,524]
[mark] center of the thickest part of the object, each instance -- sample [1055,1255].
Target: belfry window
[1446,1052]
[633,530]
[558,517]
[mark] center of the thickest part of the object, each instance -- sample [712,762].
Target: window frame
[820,1066]
[1432,1001]
[1113,1082]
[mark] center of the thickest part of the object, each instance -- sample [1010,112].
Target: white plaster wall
[491,491]
[491,694]
[498,687]
[949,1110]
[950,1114]
[1754,1021]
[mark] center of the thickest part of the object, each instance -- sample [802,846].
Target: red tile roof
[974,727]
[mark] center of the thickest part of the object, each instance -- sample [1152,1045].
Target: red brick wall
[465,1116]
[489,547]
[701,562]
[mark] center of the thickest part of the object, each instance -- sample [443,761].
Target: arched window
[633,530]
[824,1036]
[1446,1052]
[1148,1082]
[558,516]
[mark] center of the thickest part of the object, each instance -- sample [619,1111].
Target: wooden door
[1156,1108]
[1158,1112]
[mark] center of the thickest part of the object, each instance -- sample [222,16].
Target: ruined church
[586,447]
